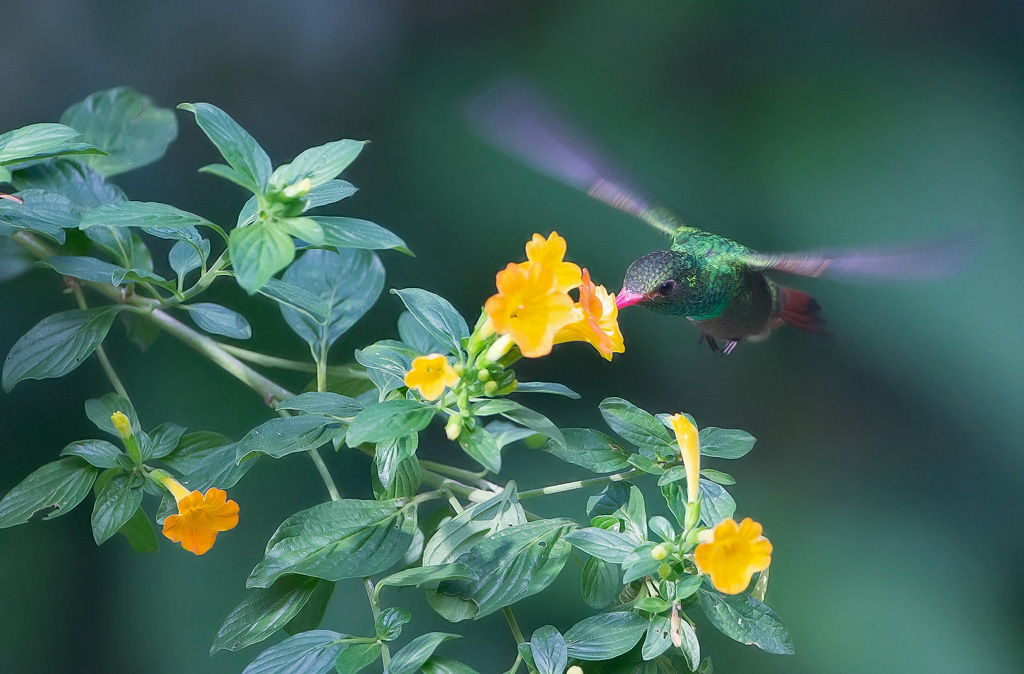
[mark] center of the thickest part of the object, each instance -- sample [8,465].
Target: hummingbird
[719,285]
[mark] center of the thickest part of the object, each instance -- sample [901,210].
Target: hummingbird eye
[666,288]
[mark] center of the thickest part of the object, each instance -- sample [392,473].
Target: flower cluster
[533,305]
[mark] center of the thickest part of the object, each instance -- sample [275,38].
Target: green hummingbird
[718,284]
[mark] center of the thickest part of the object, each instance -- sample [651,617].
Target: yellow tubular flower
[199,516]
[689,449]
[550,253]
[122,424]
[594,320]
[734,553]
[431,375]
[530,307]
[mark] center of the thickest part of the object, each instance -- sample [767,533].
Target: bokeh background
[889,471]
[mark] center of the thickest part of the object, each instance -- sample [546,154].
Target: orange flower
[199,517]
[732,555]
[431,375]
[530,307]
[689,449]
[594,320]
[550,253]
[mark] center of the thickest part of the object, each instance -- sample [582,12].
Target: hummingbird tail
[801,311]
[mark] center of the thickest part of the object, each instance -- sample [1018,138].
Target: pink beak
[626,298]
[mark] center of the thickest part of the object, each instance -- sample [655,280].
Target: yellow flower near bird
[689,449]
[431,375]
[733,553]
[550,253]
[529,307]
[594,320]
[199,516]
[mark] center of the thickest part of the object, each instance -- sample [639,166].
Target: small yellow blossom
[734,553]
[594,320]
[575,669]
[689,449]
[122,424]
[550,253]
[659,552]
[199,516]
[529,307]
[431,375]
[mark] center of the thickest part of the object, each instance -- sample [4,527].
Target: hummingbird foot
[730,347]
[711,342]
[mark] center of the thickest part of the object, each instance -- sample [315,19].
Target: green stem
[385,654]
[287,364]
[579,484]
[101,353]
[513,625]
[455,487]
[460,474]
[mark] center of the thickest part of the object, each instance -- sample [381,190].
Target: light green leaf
[523,416]
[356,657]
[218,320]
[147,214]
[437,316]
[258,252]
[747,620]
[99,453]
[115,504]
[590,449]
[328,193]
[482,447]
[549,651]
[406,477]
[126,125]
[438,665]
[45,213]
[319,164]
[99,411]
[330,404]
[599,583]
[416,336]
[658,639]
[422,575]
[505,432]
[39,142]
[625,503]
[605,636]
[389,419]
[184,257]
[306,229]
[715,503]
[356,233]
[83,186]
[60,485]
[390,453]
[416,652]
[718,476]
[725,443]
[386,363]
[458,535]
[57,345]
[238,148]
[388,624]
[298,299]
[611,546]
[311,652]
[546,387]
[635,425]
[263,612]
[287,435]
[98,271]
[341,539]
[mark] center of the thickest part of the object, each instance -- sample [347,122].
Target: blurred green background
[889,472]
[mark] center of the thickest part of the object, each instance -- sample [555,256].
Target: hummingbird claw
[730,347]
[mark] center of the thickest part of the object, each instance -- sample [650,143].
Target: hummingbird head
[660,281]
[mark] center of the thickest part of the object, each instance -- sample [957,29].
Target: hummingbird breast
[748,312]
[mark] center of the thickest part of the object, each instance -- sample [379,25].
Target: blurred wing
[935,260]
[517,119]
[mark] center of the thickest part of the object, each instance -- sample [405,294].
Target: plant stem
[385,654]
[466,492]
[579,484]
[513,625]
[460,474]
[287,364]
[101,354]
[515,665]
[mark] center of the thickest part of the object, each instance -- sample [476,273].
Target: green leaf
[183,256]
[83,186]
[349,281]
[550,654]
[652,605]
[523,416]
[99,411]
[115,505]
[388,624]
[691,647]
[718,476]
[341,539]
[263,612]
[60,485]
[611,546]
[57,345]
[439,665]
[319,164]
[218,320]
[511,564]
[258,252]
[356,233]
[238,148]
[386,363]
[590,449]
[123,244]
[658,639]
[287,435]
[640,563]
[406,477]
[505,433]
[625,503]
[482,447]
[416,652]
[662,527]
[45,213]
[605,636]
[458,535]
[635,425]
[310,616]
[416,336]
[356,657]
[687,586]
[422,575]
[99,453]
[599,583]
[745,619]
[715,503]
[160,441]
[98,271]
[673,474]
[139,532]
[39,142]
[306,229]
[207,459]
[330,404]
[725,443]
[146,214]
[298,299]
[390,453]
[546,387]
[14,260]
[311,652]
[389,419]
[126,125]
[437,316]
[328,193]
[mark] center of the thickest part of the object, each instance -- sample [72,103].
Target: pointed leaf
[287,435]
[311,652]
[258,252]
[745,619]
[39,142]
[61,485]
[218,320]
[356,233]
[416,652]
[263,612]
[237,147]
[549,651]
[115,504]
[437,316]
[389,419]
[319,164]
[590,449]
[605,636]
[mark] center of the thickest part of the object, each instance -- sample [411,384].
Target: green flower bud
[483,375]
[665,571]
[299,189]
[659,553]
[490,388]
[454,427]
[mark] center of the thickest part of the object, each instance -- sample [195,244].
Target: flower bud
[659,552]
[692,514]
[499,348]
[483,375]
[454,427]
[490,388]
[299,189]
[665,571]
[122,424]
[575,669]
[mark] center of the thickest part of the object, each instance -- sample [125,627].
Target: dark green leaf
[673,474]
[298,299]
[331,404]
[237,147]
[458,535]
[605,636]
[437,316]
[126,125]
[599,583]
[91,269]
[590,449]
[611,546]
[38,142]
[388,624]
[505,433]
[60,485]
[57,344]
[523,416]
[115,505]
[546,387]
[715,503]
[415,335]
[356,233]
[416,652]
[184,257]
[718,476]
[640,563]
[218,320]
[307,653]
[263,612]
[356,657]
[341,539]
[652,605]
[406,477]
[549,651]
[139,532]
[319,164]
[438,665]
[389,419]
[161,441]
[310,616]
[207,459]
[482,447]
[14,260]
[390,453]
[42,212]
[635,425]
[747,620]
[386,363]
[725,443]
[147,214]
[259,251]
[349,281]
[287,435]
[99,453]
[625,503]
[99,411]
[658,639]
[83,186]
[421,575]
